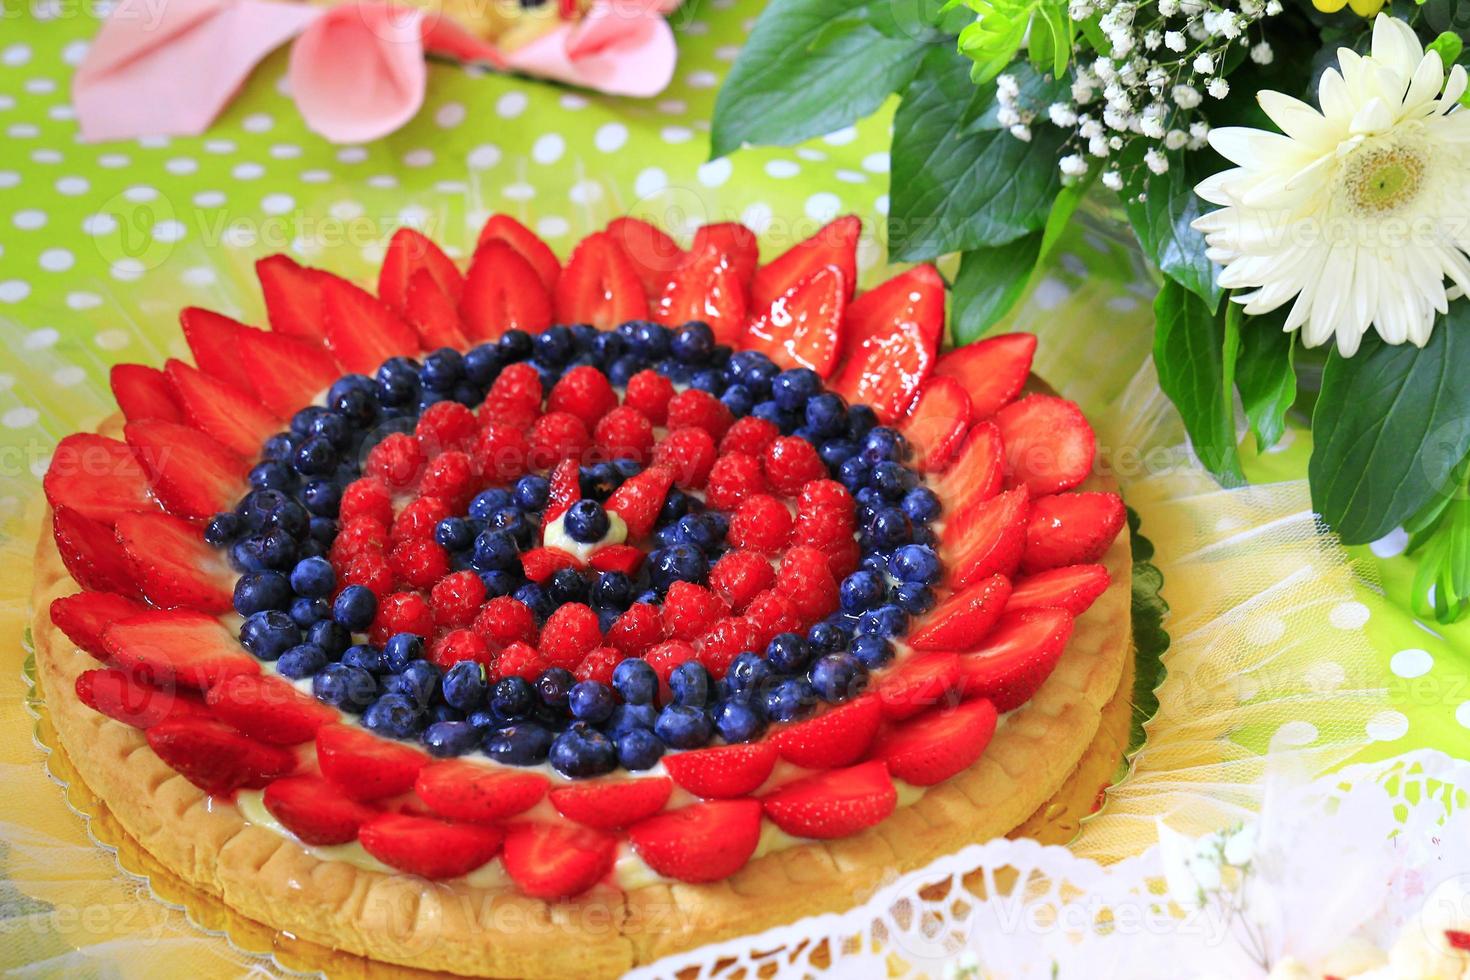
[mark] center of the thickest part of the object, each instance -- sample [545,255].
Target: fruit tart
[544,617]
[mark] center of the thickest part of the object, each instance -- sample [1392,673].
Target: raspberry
[749,434]
[725,641]
[689,610]
[451,478]
[772,613]
[366,498]
[740,575]
[396,460]
[505,620]
[824,495]
[518,660]
[402,612]
[760,523]
[419,562]
[585,392]
[458,645]
[501,452]
[445,425]
[791,463]
[690,453]
[515,397]
[570,633]
[825,516]
[843,558]
[650,392]
[806,580]
[356,536]
[456,598]
[666,656]
[701,409]
[624,433]
[368,569]
[599,665]
[733,478]
[556,436]
[637,629]
[416,522]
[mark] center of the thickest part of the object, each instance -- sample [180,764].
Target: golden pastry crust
[467,930]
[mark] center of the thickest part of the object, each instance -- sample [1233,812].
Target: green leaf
[1265,376]
[1150,640]
[1390,425]
[992,40]
[1036,92]
[989,282]
[1194,352]
[810,67]
[952,189]
[1161,223]
[1448,46]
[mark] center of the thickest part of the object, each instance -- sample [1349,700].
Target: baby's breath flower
[1152,40]
[1073,165]
[1156,161]
[1006,86]
[1113,180]
[1262,54]
[1186,96]
[1175,138]
[1174,41]
[1021,132]
[1218,88]
[1062,115]
[1204,63]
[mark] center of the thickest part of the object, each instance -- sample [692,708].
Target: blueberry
[862,590]
[882,444]
[793,388]
[693,342]
[359,405]
[268,550]
[623,369]
[223,528]
[554,346]
[535,597]
[344,687]
[626,716]
[887,620]
[554,687]
[598,481]
[635,681]
[355,607]
[365,656]
[853,473]
[861,419]
[302,420]
[893,480]
[454,534]
[443,369]
[679,563]
[708,380]
[313,578]
[748,673]
[650,340]
[582,751]
[913,598]
[835,452]
[393,715]
[464,686]
[627,468]
[271,476]
[515,345]
[923,534]
[531,492]
[512,698]
[510,521]
[638,749]
[519,745]
[401,650]
[739,720]
[889,528]
[322,498]
[788,653]
[826,415]
[302,660]
[920,505]
[690,684]
[315,457]
[445,739]
[482,720]
[279,447]
[567,585]
[591,701]
[683,727]
[258,591]
[827,637]
[871,651]
[322,531]
[304,612]
[789,700]
[330,636]
[490,501]
[699,530]
[421,681]
[738,399]
[269,634]
[495,550]
[838,677]
[586,521]
[612,590]
[607,347]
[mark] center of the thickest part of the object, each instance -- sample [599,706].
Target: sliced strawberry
[639,500]
[479,794]
[935,746]
[937,424]
[287,373]
[654,254]
[992,371]
[893,335]
[192,474]
[293,297]
[133,701]
[1049,445]
[365,766]
[502,291]
[430,311]
[268,708]
[97,477]
[179,647]
[410,251]
[173,564]
[917,683]
[803,326]
[599,285]
[315,810]
[977,471]
[612,804]
[362,332]
[144,393]
[226,414]
[723,772]
[835,244]
[214,340]
[555,861]
[837,737]
[565,490]
[703,842]
[428,847]
[215,757]
[833,804]
[504,228]
[1071,529]
[91,554]
[1017,657]
[985,539]
[963,617]
[736,241]
[539,564]
[623,558]
[705,287]
[1073,588]
[83,617]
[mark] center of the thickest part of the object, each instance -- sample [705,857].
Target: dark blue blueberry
[442,370]
[482,364]
[893,480]
[853,473]
[269,634]
[861,419]
[300,661]
[526,744]
[826,414]
[445,739]
[607,347]
[465,687]
[627,468]
[676,505]
[889,528]
[623,369]
[536,598]
[301,421]
[315,457]
[272,476]
[838,677]
[554,346]
[739,720]
[598,481]
[313,578]
[454,534]
[708,380]
[667,536]
[638,749]
[591,701]
[495,550]
[835,452]
[420,680]
[635,681]
[401,650]
[394,716]
[921,505]
[483,720]
[690,684]
[793,388]
[512,698]
[693,342]
[703,531]
[788,653]
[752,369]
[586,521]
[789,700]
[770,412]
[924,535]
[748,673]
[862,590]
[258,591]
[871,651]
[488,502]
[511,521]
[679,563]
[278,448]
[882,444]
[366,657]
[358,404]
[650,340]
[355,607]
[738,400]
[887,620]
[223,528]
[675,370]
[304,612]
[531,492]
[554,687]
[322,530]
[567,585]
[499,582]
[649,598]
[683,727]
[876,561]
[582,751]
[331,636]
[827,637]
[515,345]
[626,716]
[612,590]
[344,687]
[322,498]
[272,549]
[913,598]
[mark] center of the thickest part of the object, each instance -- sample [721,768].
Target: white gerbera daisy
[1361,211]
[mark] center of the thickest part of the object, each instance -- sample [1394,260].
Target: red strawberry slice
[410,251]
[639,500]
[837,737]
[191,473]
[705,287]
[364,766]
[937,425]
[539,564]
[268,708]
[992,371]
[293,297]
[736,241]
[214,340]
[478,794]
[985,539]
[91,554]
[833,804]
[623,558]
[287,373]
[1071,529]
[893,335]
[226,414]
[173,564]
[215,757]
[144,393]
[963,617]
[83,617]
[977,471]
[599,285]
[612,804]
[565,489]
[428,847]
[654,254]
[502,291]
[430,311]
[803,326]
[1017,657]
[1049,445]
[724,772]
[315,810]
[362,332]
[504,228]
[703,842]
[97,478]
[132,701]
[935,746]
[177,646]
[917,683]
[835,244]
[1073,588]
[555,861]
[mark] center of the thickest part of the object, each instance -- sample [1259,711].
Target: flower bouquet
[1299,175]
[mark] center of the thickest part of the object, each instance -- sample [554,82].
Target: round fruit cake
[543,619]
